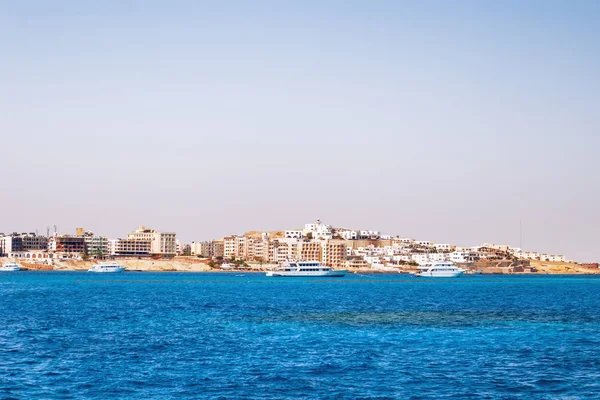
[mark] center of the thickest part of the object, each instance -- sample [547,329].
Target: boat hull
[107,270]
[9,269]
[308,274]
[439,274]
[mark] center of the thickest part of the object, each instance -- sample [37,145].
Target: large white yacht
[10,266]
[307,269]
[107,267]
[442,269]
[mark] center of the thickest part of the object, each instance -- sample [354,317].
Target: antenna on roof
[521,235]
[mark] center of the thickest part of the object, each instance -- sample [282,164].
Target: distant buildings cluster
[334,247]
[143,242]
[348,248]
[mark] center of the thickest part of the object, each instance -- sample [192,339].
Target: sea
[73,335]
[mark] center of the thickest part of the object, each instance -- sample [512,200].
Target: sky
[446,121]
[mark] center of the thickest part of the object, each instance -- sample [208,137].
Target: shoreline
[194,264]
[237,272]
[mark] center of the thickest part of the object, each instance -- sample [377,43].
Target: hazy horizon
[437,121]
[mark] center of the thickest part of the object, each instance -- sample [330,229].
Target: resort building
[334,253]
[309,250]
[130,247]
[163,244]
[96,246]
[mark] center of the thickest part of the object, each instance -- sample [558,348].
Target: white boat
[442,269]
[107,267]
[10,266]
[306,269]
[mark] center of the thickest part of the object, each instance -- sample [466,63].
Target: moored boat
[306,269]
[443,269]
[10,266]
[107,268]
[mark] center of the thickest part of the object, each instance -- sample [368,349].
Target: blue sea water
[187,336]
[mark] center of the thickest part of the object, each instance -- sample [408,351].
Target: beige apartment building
[234,246]
[281,250]
[334,254]
[213,248]
[256,249]
[356,262]
[309,250]
[162,243]
[130,247]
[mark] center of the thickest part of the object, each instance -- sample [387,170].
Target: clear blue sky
[443,121]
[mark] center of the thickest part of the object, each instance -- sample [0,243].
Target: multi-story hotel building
[257,249]
[281,250]
[212,248]
[130,247]
[234,246]
[96,246]
[163,244]
[309,250]
[334,253]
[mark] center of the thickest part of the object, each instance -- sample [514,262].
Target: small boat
[444,269]
[306,269]
[107,268]
[10,266]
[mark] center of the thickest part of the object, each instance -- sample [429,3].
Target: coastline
[194,264]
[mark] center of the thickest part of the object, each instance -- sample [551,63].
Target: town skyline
[380,234]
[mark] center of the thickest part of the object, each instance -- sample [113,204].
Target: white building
[462,257]
[318,230]
[398,258]
[294,234]
[442,247]
[374,235]
[552,258]
[425,258]
[349,234]
[130,247]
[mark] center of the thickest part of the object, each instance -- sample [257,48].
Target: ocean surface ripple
[67,335]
